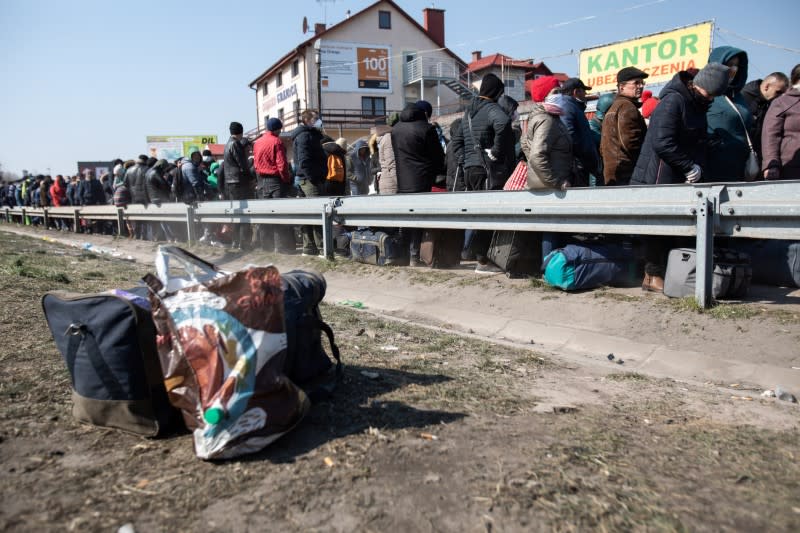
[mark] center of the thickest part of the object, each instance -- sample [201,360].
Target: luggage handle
[685,256]
[79,332]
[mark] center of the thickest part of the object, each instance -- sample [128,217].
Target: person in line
[623,128]
[649,103]
[729,120]
[158,190]
[674,149]
[780,139]
[272,171]
[336,161]
[596,123]
[359,167]
[484,138]
[135,176]
[310,165]
[418,159]
[387,183]
[239,183]
[588,165]
[759,94]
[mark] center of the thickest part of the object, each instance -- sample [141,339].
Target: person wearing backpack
[336,152]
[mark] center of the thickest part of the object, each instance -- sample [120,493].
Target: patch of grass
[19,268]
[627,376]
[718,310]
[94,274]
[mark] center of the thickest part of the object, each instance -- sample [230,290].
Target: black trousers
[242,234]
[475,179]
[274,237]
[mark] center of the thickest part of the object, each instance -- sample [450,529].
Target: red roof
[299,48]
[500,60]
[217,150]
[560,76]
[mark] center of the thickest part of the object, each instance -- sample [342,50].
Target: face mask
[318,124]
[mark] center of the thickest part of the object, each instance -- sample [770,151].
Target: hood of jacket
[331,147]
[721,54]
[361,143]
[508,104]
[302,128]
[753,90]
[412,114]
[476,105]
[603,105]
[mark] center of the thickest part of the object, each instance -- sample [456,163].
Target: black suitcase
[378,248]
[441,248]
[518,253]
[108,342]
[775,262]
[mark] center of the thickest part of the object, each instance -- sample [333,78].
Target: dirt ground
[429,431]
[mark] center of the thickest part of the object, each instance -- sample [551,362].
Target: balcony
[430,69]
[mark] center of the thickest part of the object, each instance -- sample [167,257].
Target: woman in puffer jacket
[388,180]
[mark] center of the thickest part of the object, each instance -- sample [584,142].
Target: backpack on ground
[307,364]
[336,170]
[108,342]
[587,266]
[379,248]
[731,277]
[775,262]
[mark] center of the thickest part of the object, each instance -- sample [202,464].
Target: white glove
[693,176]
[489,154]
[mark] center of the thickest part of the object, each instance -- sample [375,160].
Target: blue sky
[89,79]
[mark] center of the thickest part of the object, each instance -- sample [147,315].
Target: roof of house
[501,60]
[300,47]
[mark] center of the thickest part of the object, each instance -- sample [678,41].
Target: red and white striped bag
[518,180]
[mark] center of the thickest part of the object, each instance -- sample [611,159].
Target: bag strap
[741,118]
[79,333]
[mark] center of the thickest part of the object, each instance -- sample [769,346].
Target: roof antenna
[325,9]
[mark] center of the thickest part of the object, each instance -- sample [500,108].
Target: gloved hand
[693,176]
[490,155]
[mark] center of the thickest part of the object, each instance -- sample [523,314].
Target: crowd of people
[705,125]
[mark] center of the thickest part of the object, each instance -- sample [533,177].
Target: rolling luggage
[441,248]
[108,342]
[775,262]
[378,248]
[732,273]
[518,253]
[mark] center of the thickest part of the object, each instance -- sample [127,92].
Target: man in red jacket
[274,177]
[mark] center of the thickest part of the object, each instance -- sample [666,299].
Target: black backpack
[108,342]
[307,363]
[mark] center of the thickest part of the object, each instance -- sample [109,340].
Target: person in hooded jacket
[159,191]
[455,170]
[759,94]
[596,124]
[780,139]
[387,182]
[310,164]
[419,158]
[674,149]
[359,166]
[588,165]
[338,150]
[728,129]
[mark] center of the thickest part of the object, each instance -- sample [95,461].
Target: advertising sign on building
[349,67]
[661,55]
[171,147]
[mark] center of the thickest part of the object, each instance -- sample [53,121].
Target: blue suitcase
[378,248]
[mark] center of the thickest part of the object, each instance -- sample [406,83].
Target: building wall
[403,38]
[517,92]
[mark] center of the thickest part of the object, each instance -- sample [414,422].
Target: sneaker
[416,261]
[488,268]
[310,254]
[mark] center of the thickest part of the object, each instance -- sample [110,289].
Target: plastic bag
[222,344]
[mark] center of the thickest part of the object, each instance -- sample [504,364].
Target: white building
[361,70]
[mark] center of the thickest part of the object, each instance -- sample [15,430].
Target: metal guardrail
[759,210]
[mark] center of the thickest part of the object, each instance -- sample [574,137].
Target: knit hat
[541,87]
[236,128]
[713,78]
[274,124]
[425,106]
[631,73]
[649,103]
[491,87]
[142,159]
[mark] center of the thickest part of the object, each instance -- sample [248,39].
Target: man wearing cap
[623,128]
[587,158]
[238,182]
[137,184]
[674,149]
[272,171]
[482,141]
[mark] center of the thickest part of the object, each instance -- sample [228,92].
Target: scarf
[554,104]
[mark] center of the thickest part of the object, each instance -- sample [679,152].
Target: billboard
[171,147]
[661,55]
[355,67]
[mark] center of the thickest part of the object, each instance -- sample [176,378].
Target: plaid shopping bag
[518,180]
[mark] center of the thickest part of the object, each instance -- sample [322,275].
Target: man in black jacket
[238,181]
[759,94]
[418,158]
[137,184]
[484,139]
[310,163]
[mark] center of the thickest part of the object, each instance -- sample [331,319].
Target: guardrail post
[8,215]
[704,248]
[24,220]
[120,221]
[46,219]
[190,226]
[327,230]
[76,221]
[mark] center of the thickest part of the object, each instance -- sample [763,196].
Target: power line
[758,41]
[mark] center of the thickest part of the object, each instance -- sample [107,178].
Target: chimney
[319,27]
[476,55]
[433,22]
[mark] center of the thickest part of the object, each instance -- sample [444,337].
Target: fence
[758,210]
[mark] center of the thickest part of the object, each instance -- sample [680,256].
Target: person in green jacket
[728,148]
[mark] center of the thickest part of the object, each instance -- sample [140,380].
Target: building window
[265,88]
[510,83]
[280,114]
[373,107]
[266,119]
[296,110]
[385,20]
[295,68]
[279,79]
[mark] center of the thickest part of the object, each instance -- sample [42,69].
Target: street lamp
[318,61]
